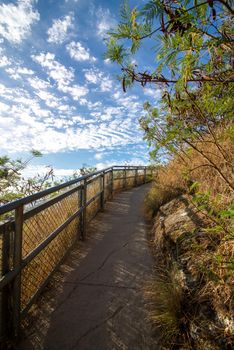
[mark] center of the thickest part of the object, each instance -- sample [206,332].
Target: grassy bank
[191,298]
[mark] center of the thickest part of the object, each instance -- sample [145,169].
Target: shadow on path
[97,301]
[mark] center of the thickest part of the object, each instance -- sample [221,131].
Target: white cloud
[26,125]
[95,76]
[92,76]
[76,91]
[155,93]
[58,32]
[16,20]
[3,107]
[106,84]
[4,60]
[38,84]
[131,103]
[77,119]
[98,156]
[61,75]
[34,170]
[104,22]
[134,161]
[18,72]
[58,72]
[79,52]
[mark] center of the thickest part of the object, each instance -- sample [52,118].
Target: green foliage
[194,49]
[115,53]
[192,37]
[36,153]
[220,217]
[86,169]
[13,185]
[152,10]
[192,127]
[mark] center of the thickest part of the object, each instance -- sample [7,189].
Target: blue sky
[57,92]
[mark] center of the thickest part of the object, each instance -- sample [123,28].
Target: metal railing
[42,230]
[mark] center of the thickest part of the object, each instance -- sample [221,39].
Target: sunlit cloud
[79,53]
[104,22]
[61,75]
[58,32]
[63,97]
[152,92]
[16,20]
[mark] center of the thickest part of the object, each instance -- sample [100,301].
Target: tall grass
[178,175]
[165,298]
[208,250]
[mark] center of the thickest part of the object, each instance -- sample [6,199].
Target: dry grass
[208,176]
[177,176]
[209,250]
[165,298]
[168,184]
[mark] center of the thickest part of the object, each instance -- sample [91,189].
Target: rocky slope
[188,255]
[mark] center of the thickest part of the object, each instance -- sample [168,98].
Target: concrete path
[101,304]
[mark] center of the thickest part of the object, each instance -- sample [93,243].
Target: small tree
[194,69]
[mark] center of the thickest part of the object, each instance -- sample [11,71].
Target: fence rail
[41,231]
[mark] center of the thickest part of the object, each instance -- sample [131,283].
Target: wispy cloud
[98,156]
[4,60]
[17,72]
[57,71]
[61,75]
[16,20]
[152,92]
[105,22]
[49,104]
[95,76]
[34,170]
[79,53]
[124,161]
[58,32]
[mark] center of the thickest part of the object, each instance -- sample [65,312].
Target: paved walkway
[101,305]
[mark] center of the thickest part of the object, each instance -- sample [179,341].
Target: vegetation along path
[101,304]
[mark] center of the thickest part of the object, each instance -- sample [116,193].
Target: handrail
[74,205]
[25,200]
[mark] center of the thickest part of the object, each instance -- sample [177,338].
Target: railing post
[102,186]
[125,178]
[81,213]
[136,174]
[112,182]
[17,264]
[5,315]
[84,200]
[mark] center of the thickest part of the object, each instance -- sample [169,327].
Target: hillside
[190,134]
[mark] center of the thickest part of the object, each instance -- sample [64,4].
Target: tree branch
[144,78]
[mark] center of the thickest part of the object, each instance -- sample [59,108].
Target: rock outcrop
[181,240]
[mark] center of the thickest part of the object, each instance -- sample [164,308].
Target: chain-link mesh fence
[49,229]
[35,230]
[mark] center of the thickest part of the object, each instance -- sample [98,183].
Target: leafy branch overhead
[195,41]
[194,66]
[187,49]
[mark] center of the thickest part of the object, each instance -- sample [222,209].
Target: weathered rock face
[180,239]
